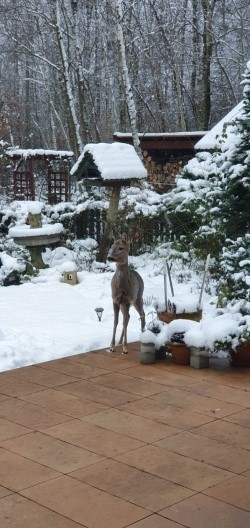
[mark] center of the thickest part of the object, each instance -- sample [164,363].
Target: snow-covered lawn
[47,319]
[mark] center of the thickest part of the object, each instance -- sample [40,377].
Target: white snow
[115,161]
[212,139]
[29,153]
[34,207]
[27,231]
[47,319]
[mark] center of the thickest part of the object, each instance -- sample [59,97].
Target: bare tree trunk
[126,80]
[67,81]
[205,89]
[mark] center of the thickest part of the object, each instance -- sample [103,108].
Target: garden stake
[203,282]
[170,280]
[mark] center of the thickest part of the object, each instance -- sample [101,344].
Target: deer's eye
[120,248]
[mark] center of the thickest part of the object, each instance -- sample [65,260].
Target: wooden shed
[164,154]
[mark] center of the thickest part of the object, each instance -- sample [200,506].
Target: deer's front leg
[125,312]
[116,309]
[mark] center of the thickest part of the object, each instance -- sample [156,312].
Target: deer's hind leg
[139,308]
[116,308]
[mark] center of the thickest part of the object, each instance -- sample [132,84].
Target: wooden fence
[144,232]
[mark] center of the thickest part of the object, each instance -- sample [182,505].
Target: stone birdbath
[36,236]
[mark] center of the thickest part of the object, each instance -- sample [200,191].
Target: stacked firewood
[162,176]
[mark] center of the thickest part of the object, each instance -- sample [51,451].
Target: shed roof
[211,138]
[111,161]
[163,140]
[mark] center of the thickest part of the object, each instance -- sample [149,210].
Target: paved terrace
[99,441]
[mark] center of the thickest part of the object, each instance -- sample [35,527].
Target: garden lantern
[99,312]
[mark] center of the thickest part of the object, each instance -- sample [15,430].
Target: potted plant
[184,306]
[160,331]
[234,338]
[177,345]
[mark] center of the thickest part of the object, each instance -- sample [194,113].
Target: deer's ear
[125,238]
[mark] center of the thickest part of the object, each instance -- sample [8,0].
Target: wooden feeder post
[110,224]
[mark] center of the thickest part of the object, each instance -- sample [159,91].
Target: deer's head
[119,250]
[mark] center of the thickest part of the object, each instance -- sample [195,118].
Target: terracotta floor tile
[128,424]
[222,392]
[156,521]
[41,376]
[30,415]
[99,393]
[133,485]
[162,376]
[3,396]
[16,472]
[221,455]
[72,368]
[62,402]
[18,512]
[132,356]
[241,418]
[10,430]
[235,491]
[120,381]
[3,493]
[167,414]
[203,404]
[187,472]
[12,386]
[102,361]
[201,511]
[226,432]
[85,504]
[93,438]
[51,452]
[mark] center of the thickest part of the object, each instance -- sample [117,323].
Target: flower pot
[167,317]
[241,357]
[180,353]
[147,353]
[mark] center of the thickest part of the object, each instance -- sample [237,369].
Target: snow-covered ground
[47,318]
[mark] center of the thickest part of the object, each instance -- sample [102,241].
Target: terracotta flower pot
[167,317]
[180,353]
[241,357]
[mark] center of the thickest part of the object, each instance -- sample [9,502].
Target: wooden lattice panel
[58,186]
[23,186]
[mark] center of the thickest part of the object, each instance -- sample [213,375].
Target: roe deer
[127,288]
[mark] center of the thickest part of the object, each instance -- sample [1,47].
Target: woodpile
[161,175]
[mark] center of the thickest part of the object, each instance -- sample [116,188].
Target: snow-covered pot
[182,307]
[167,317]
[147,352]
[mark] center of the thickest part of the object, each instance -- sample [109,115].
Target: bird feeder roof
[109,162]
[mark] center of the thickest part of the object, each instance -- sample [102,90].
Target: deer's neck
[122,268]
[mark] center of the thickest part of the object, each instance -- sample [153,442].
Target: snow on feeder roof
[109,163]
[212,139]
